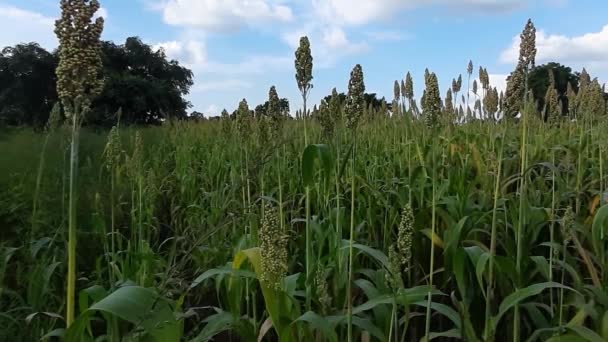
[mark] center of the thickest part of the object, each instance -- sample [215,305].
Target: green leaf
[374,253]
[216,323]
[220,271]
[459,267]
[604,324]
[479,258]
[598,230]
[521,294]
[444,310]
[312,153]
[277,302]
[566,338]
[372,303]
[452,333]
[586,333]
[319,323]
[142,307]
[542,265]
[366,325]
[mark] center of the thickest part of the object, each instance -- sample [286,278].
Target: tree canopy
[139,80]
[539,81]
[27,84]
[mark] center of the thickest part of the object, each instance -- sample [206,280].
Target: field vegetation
[479,217]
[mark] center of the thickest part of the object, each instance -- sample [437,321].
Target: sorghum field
[480,231]
[350,222]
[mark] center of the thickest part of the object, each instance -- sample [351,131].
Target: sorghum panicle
[405,236]
[273,245]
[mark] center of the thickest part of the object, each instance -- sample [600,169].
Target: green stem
[350,244]
[71,277]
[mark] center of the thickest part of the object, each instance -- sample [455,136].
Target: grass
[179,207]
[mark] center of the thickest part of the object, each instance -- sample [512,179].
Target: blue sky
[239,48]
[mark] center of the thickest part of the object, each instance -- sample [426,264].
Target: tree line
[140,85]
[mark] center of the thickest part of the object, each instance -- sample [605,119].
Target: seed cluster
[355,101]
[78,71]
[273,245]
[322,289]
[405,236]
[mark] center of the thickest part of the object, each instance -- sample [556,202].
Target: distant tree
[27,85]
[262,109]
[155,85]
[371,102]
[196,116]
[539,81]
[141,81]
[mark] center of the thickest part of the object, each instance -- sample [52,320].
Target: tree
[27,85]
[262,109]
[155,86]
[539,81]
[148,87]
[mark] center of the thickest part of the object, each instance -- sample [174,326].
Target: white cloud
[221,15]
[329,43]
[356,12]
[589,50]
[590,47]
[212,110]
[191,53]
[31,27]
[359,12]
[335,38]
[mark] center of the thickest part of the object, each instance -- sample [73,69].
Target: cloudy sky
[239,48]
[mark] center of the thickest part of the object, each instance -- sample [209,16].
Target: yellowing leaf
[437,241]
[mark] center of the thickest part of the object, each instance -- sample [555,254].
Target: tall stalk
[488,333]
[520,223]
[73,187]
[351,241]
[427,328]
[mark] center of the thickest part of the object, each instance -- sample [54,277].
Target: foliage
[27,85]
[156,86]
